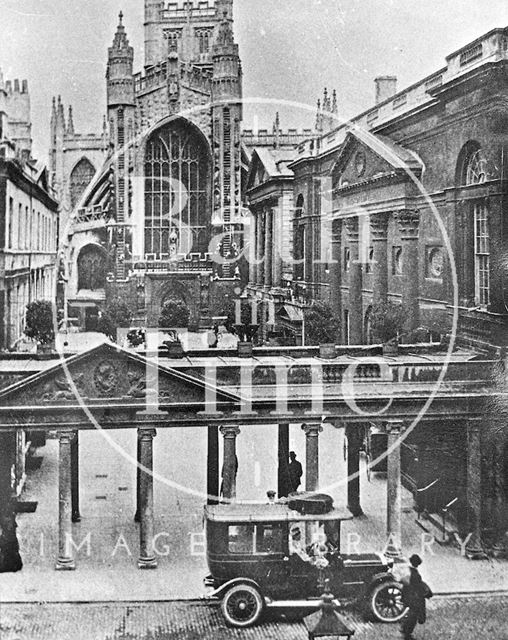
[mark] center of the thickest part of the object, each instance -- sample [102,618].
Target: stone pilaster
[474,547]
[147,558]
[312,432]
[336,269]
[355,283]
[277,239]
[65,560]
[354,437]
[394,490]
[379,235]
[268,248]
[260,248]
[229,468]
[409,223]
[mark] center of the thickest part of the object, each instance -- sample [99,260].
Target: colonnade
[68,478]
[266,268]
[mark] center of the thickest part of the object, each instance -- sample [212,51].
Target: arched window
[299,239]
[91,268]
[177,192]
[472,165]
[81,176]
[204,37]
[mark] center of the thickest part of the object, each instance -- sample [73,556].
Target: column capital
[394,427]
[230,431]
[409,223]
[352,228]
[336,230]
[379,226]
[146,434]
[66,437]
[312,430]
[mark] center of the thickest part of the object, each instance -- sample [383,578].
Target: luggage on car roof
[310,503]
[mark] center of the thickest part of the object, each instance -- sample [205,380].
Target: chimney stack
[386,87]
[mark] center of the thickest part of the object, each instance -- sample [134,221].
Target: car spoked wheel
[242,605]
[386,602]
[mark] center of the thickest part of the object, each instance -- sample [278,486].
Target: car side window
[240,538]
[269,539]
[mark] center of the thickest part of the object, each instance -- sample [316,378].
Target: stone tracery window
[81,176]
[177,192]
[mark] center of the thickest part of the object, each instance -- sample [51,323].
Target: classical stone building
[28,217]
[163,216]
[406,203]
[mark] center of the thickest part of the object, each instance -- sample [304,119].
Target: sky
[290,49]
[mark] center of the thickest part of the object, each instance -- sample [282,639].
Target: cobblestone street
[449,619]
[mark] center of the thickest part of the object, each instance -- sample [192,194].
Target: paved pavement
[106,561]
[448,619]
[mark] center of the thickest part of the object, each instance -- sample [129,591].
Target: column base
[356,510]
[475,553]
[65,564]
[147,563]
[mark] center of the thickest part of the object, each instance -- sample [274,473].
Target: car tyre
[384,602]
[242,606]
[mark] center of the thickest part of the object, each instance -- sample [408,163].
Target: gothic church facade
[161,217]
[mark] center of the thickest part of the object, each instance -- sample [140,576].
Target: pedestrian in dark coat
[415,592]
[295,471]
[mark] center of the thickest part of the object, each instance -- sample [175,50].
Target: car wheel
[242,605]
[385,602]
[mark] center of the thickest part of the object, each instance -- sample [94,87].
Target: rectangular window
[482,255]
[346,327]
[247,539]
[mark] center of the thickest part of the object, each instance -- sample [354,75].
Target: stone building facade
[163,216]
[28,217]
[406,203]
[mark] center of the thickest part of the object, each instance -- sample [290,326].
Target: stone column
[65,560]
[146,530]
[277,232]
[253,249]
[260,248]
[394,491]
[213,465]
[474,547]
[138,478]
[283,481]
[355,283]
[268,248]
[353,434]
[409,222]
[76,516]
[229,468]
[379,231]
[336,270]
[7,456]
[312,432]
[20,459]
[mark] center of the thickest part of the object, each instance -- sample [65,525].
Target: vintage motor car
[271,556]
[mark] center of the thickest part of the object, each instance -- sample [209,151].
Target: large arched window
[177,192]
[472,165]
[299,239]
[91,268]
[81,176]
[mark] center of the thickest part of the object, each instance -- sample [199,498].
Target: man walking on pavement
[414,594]
[295,471]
